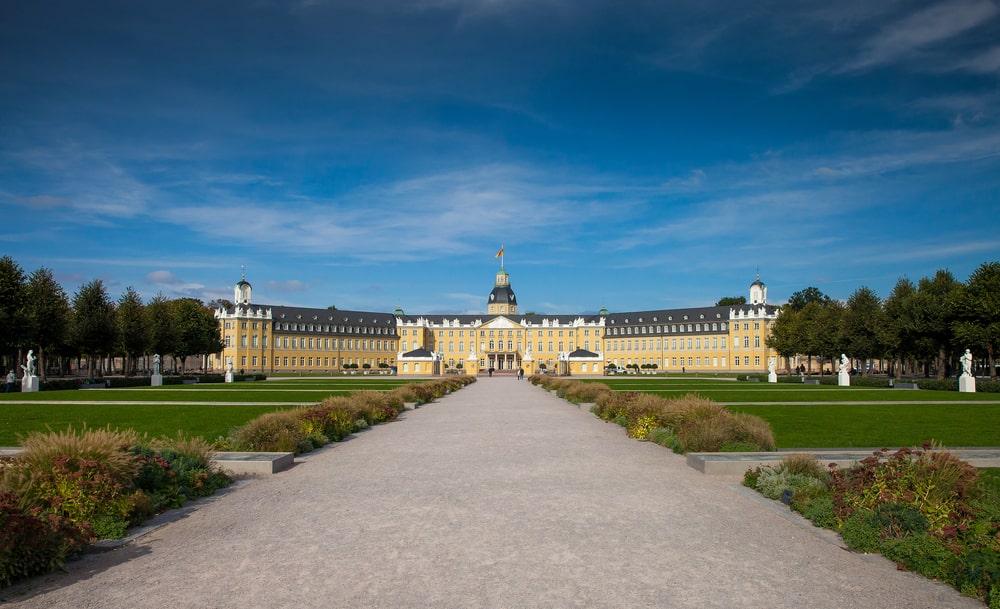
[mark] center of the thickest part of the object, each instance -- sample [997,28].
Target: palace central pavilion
[281,339]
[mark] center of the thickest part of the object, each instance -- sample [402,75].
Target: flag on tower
[500,253]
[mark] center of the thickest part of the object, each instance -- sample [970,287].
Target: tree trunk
[940,363]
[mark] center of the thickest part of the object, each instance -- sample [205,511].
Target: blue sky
[634,155]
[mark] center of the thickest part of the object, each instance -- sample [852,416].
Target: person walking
[520,373]
[11,379]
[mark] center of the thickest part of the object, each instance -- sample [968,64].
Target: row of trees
[918,329]
[36,313]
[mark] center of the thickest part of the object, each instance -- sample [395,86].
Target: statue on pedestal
[29,364]
[966,360]
[845,364]
[156,364]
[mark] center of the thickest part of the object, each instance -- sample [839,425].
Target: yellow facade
[276,340]
[713,339]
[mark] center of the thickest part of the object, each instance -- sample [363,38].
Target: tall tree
[933,312]
[823,333]
[12,322]
[786,334]
[93,322]
[132,330]
[197,329]
[47,316]
[977,313]
[159,321]
[862,326]
[798,300]
[900,335]
[729,301]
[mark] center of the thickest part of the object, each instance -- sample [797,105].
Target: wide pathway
[502,496]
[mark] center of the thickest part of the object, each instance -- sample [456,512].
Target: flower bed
[923,508]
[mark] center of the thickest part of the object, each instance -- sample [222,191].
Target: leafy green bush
[664,436]
[935,482]
[34,541]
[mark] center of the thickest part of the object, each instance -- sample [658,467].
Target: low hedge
[688,423]
[301,430]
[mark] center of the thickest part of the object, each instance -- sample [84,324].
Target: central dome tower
[502,300]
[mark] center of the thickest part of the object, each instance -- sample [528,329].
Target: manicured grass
[208,422]
[869,420]
[214,409]
[878,425]
[731,391]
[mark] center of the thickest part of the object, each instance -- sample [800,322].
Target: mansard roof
[421,352]
[535,320]
[668,316]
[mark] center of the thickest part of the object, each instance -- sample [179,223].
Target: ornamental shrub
[278,431]
[34,541]
[935,482]
[579,392]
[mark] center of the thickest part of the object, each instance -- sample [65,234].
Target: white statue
[156,363]
[29,364]
[845,364]
[771,365]
[966,360]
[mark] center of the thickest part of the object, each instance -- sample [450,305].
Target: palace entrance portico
[506,362]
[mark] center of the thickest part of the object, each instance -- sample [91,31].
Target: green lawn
[804,417]
[212,410]
[156,420]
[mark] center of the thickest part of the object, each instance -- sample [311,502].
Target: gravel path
[500,495]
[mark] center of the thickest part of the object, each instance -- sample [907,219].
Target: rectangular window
[285,362]
[746,360]
[756,361]
[689,344]
[229,341]
[254,360]
[756,342]
[243,361]
[277,362]
[746,342]
[736,361]
[723,344]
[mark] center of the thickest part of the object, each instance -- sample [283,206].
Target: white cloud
[926,27]
[163,278]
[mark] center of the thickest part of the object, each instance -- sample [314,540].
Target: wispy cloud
[903,38]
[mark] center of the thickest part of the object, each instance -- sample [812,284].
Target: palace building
[280,339]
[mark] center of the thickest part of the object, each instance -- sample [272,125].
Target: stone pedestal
[844,378]
[156,380]
[967,384]
[30,384]
[229,376]
[772,377]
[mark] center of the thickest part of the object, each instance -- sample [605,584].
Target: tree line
[919,329]
[37,314]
